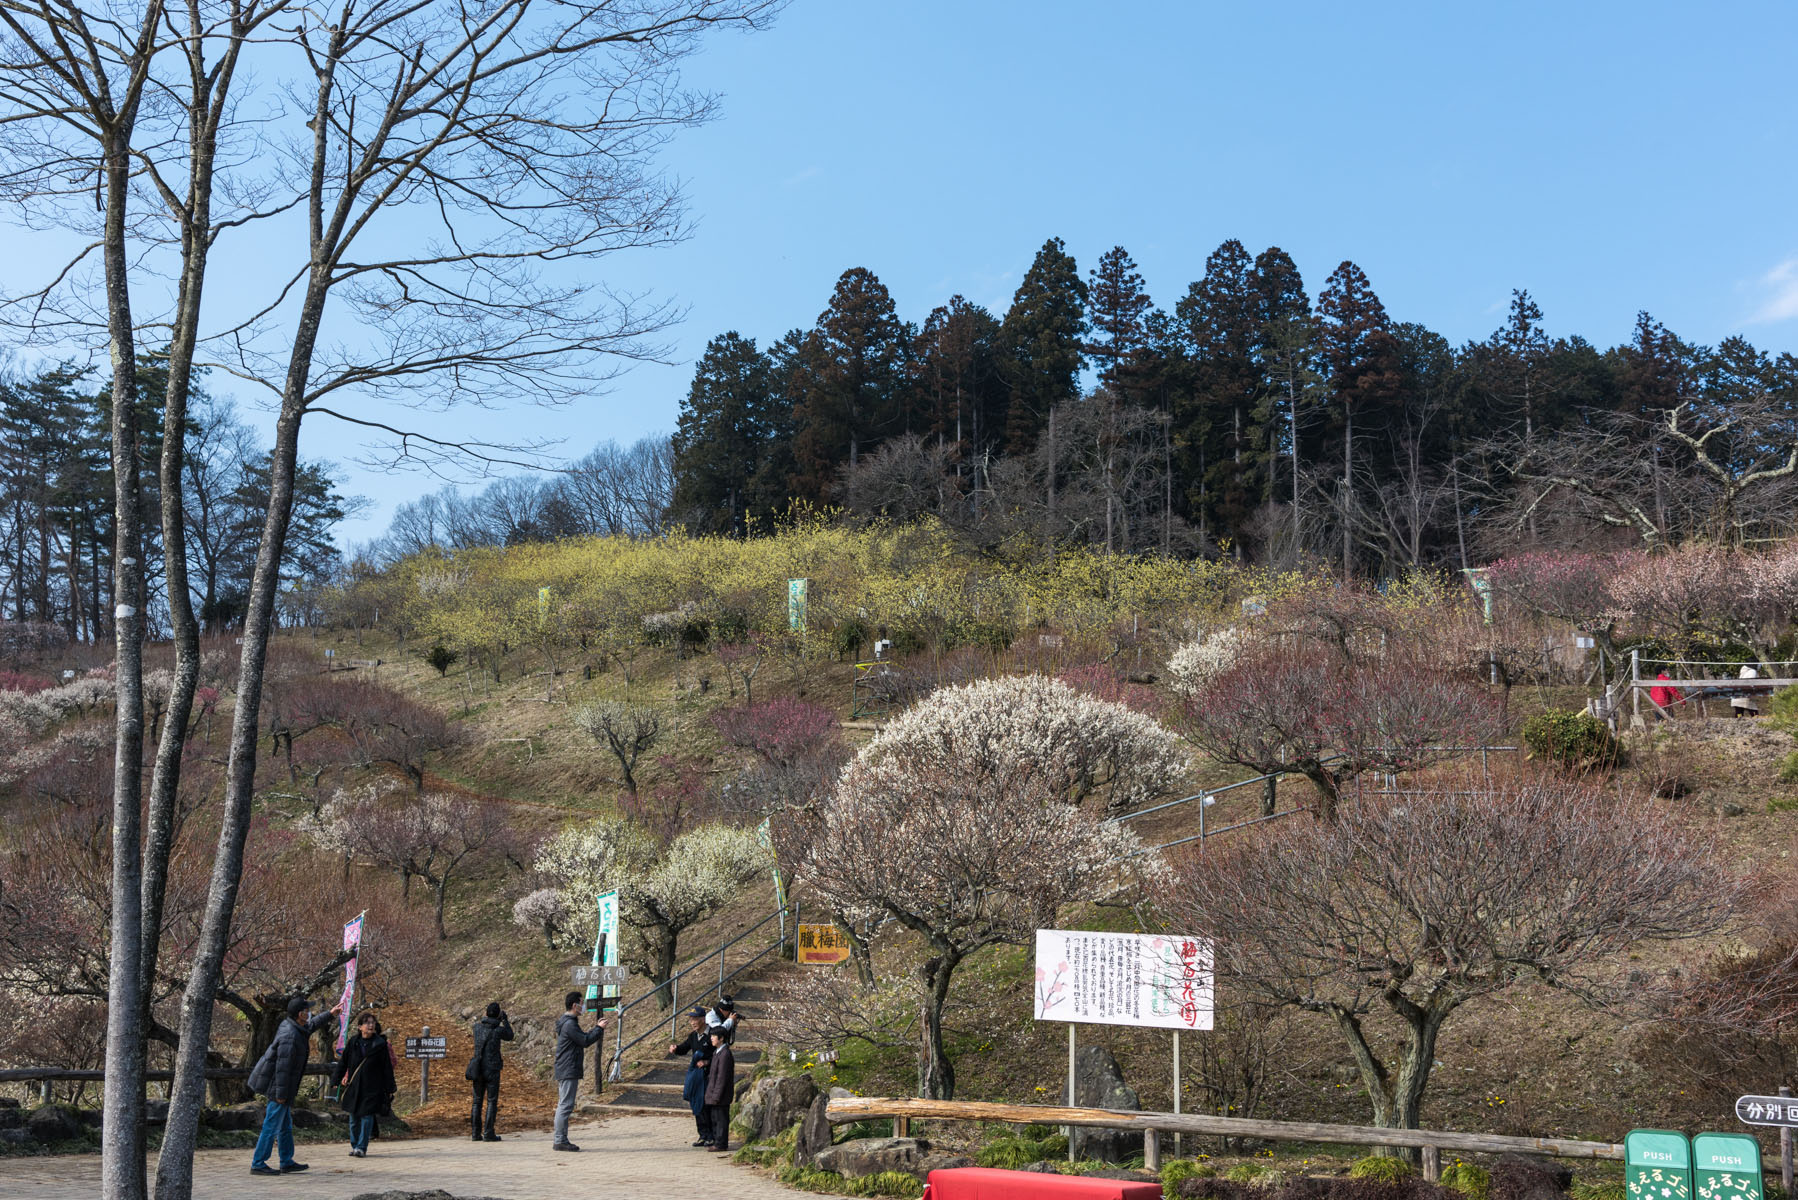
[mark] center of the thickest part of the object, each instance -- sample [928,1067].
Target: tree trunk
[1348,482]
[174,1171]
[440,893]
[122,1128]
[936,1074]
[1329,788]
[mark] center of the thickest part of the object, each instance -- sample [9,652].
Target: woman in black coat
[365,1073]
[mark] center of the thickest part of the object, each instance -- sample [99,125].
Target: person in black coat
[484,1069]
[365,1073]
[720,1088]
[697,1046]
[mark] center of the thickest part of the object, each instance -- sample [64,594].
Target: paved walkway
[641,1157]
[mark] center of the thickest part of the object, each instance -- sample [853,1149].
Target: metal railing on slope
[672,985]
[1208,796]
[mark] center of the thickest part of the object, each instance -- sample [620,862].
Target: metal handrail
[1208,794]
[672,983]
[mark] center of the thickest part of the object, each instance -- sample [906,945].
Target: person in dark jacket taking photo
[484,1069]
[571,1063]
[277,1075]
[697,1046]
[720,1088]
[365,1075]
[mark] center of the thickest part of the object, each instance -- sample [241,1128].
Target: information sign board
[601,976]
[427,1047]
[1163,981]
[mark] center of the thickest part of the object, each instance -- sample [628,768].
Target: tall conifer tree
[1361,362]
[1041,340]
[856,392]
[722,438]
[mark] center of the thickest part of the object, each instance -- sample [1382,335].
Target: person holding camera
[484,1068]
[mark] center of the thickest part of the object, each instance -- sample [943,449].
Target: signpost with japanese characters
[1657,1165]
[1726,1166]
[822,945]
[1767,1110]
[1780,1111]
[610,977]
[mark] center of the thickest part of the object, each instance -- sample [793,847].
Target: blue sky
[1609,157]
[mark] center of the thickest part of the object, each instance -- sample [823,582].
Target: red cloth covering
[986,1183]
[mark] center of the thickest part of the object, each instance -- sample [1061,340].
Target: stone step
[634,1097]
[670,1075]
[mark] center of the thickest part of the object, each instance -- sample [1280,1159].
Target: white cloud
[1780,293]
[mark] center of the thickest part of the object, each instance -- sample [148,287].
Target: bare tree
[430,838]
[627,730]
[1417,909]
[515,141]
[1277,712]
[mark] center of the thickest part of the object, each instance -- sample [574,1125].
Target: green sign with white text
[1726,1166]
[1657,1165]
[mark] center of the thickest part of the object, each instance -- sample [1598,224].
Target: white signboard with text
[1163,981]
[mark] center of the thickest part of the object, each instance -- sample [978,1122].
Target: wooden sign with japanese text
[822,945]
[1162,981]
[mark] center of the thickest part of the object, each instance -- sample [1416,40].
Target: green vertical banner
[1657,1165]
[605,948]
[765,835]
[1726,1166]
[796,604]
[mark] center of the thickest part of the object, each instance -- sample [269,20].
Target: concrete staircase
[652,1081]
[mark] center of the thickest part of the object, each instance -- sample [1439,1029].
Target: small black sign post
[425,1048]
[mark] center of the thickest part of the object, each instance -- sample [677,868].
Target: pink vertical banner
[352,940]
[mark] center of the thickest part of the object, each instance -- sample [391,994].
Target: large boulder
[11,1117]
[235,1119]
[815,1133]
[305,1118]
[1098,1083]
[53,1123]
[1518,1178]
[15,1137]
[156,1112]
[871,1156]
[774,1104]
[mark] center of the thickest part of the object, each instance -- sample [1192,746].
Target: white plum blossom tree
[958,823]
[542,910]
[1195,665]
[1078,744]
[662,892]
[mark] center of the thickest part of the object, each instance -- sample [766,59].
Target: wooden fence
[1430,1142]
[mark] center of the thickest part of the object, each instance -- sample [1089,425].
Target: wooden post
[1176,1089]
[901,1127]
[1432,1164]
[1069,1129]
[1785,1151]
[1151,1150]
[1635,686]
[424,1072]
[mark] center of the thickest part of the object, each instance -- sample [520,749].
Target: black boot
[474,1119]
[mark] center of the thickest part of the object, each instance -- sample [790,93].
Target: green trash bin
[1726,1166]
[1657,1165]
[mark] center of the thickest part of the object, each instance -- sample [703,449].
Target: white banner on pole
[1163,981]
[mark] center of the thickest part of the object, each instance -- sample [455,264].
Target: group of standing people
[711,1081]
[364,1075]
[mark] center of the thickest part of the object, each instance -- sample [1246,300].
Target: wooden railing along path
[1430,1142]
